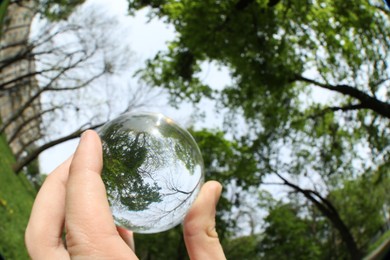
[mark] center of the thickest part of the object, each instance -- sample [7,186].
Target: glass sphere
[152,170]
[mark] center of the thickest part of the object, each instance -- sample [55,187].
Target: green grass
[16,199]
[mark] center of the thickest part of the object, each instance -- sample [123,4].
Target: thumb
[200,235]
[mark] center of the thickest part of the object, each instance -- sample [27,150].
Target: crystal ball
[152,171]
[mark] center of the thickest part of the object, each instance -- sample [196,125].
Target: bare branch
[28,76]
[37,116]
[34,154]
[84,84]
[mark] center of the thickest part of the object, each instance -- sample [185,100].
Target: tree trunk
[329,211]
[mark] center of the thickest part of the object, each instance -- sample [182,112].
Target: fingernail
[82,136]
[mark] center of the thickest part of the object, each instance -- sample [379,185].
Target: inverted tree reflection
[152,172]
[124,155]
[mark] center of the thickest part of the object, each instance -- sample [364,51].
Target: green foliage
[227,161]
[16,199]
[247,247]
[56,10]
[295,228]
[362,204]
[279,53]
[165,245]
[3,11]
[267,48]
[287,235]
[384,238]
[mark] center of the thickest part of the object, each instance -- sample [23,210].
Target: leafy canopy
[310,79]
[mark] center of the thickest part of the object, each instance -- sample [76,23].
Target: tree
[307,80]
[327,208]
[289,235]
[56,10]
[360,205]
[278,29]
[245,247]
[363,204]
[74,60]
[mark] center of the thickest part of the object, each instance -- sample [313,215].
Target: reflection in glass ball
[152,170]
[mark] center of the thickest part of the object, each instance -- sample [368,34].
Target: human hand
[73,196]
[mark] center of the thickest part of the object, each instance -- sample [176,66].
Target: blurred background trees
[310,84]
[304,149]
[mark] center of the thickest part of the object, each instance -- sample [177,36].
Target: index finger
[87,208]
[89,223]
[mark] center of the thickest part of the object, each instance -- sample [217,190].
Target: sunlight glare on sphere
[152,170]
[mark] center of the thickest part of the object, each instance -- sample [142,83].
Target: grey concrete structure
[17,81]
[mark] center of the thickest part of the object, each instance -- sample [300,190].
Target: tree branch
[346,108]
[37,116]
[28,76]
[366,101]
[35,153]
[329,211]
[350,107]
